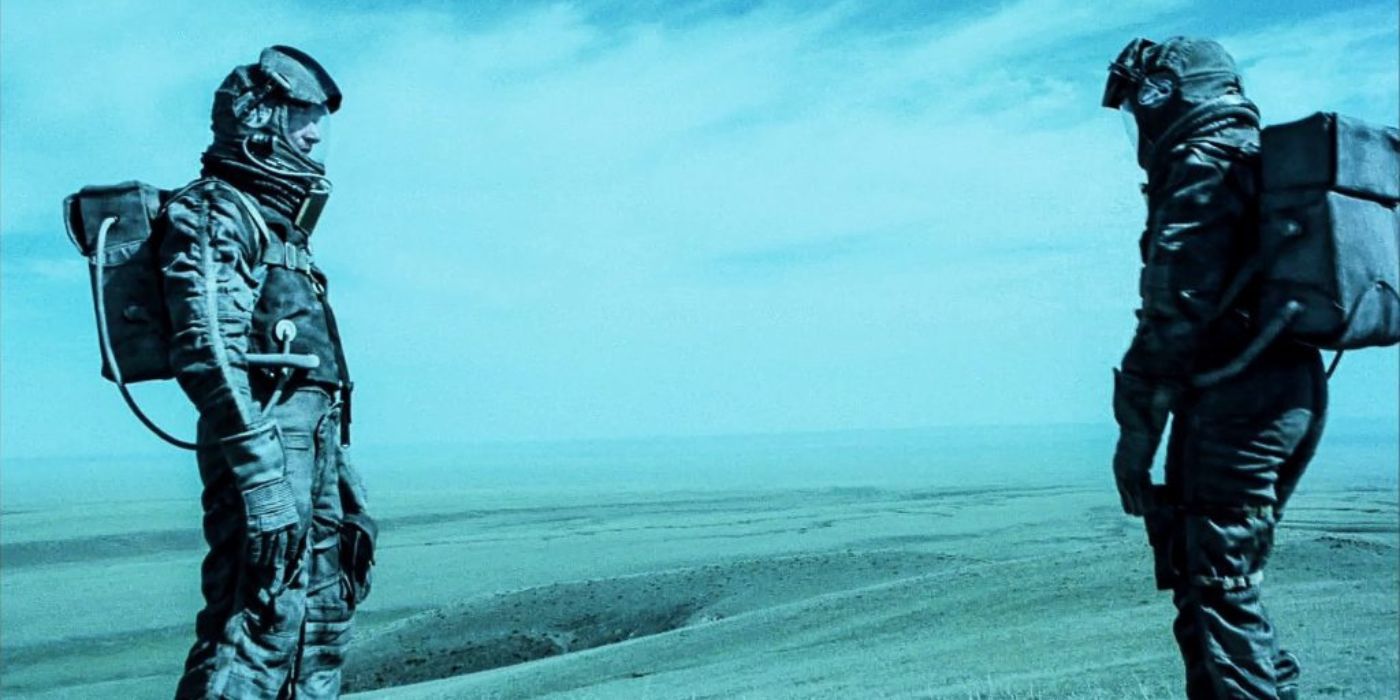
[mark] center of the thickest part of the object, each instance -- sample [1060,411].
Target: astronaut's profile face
[307,129]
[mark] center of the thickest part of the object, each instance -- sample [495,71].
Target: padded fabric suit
[1233,453]
[1236,449]
[271,626]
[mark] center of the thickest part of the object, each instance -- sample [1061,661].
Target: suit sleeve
[1191,250]
[211,285]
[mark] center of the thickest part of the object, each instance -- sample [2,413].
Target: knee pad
[1224,548]
[322,656]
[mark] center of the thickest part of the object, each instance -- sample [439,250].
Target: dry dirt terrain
[931,585]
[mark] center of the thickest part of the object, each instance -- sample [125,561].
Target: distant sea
[1354,452]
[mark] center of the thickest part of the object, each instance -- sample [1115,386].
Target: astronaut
[1237,448]
[256,348]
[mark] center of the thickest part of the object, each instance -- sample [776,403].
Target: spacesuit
[1237,448]
[256,349]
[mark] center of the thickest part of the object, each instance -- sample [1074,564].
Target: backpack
[119,229]
[1327,268]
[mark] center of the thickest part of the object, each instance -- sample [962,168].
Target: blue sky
[561,220]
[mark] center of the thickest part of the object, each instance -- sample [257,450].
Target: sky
[591,220]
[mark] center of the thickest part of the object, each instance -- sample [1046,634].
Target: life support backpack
[113,227]
[1327,268]
[119,229]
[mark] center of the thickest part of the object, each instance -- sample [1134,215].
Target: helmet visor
[308,130]
[1130,125]
[1125,72]
[1122,83]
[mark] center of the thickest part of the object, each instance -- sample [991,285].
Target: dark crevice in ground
[510,647]
[517,627]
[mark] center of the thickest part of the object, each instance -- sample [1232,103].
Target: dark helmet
[1175,90]
[260,102]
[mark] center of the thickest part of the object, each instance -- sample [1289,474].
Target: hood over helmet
[256,111]
[246,102]
[1180,89]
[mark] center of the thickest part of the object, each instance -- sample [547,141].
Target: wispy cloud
[781,213]
[1344,60]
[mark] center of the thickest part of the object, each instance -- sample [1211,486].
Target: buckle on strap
[292,257]
[1229,583]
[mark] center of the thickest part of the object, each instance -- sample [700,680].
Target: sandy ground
[778,592]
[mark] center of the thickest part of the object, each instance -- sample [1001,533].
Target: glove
[1141,409]
[276,531]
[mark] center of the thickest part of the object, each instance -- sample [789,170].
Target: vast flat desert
[900,564]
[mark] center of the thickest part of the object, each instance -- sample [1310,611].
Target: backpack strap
[253,211]
[276,252]
[1260,257]
[1247,156]
[246,203]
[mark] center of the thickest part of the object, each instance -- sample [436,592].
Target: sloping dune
[1080,623]
[536,623]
